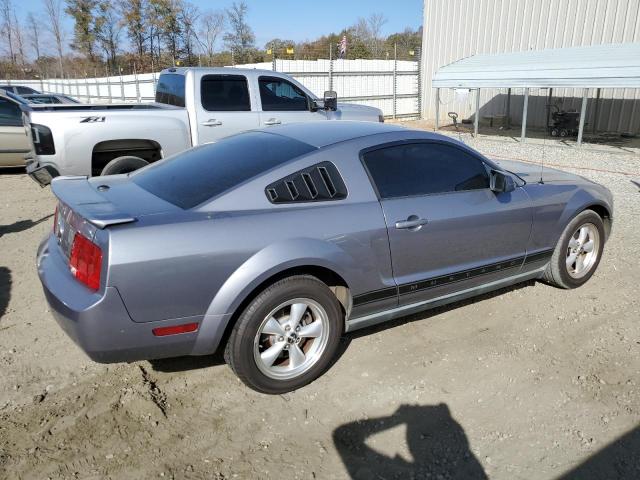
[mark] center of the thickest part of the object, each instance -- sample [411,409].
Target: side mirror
[330,100]
[501,182]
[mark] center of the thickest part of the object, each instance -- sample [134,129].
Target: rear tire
[287,336]
[578,251]
[124,164]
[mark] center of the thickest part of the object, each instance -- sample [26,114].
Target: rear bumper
[98,322]
[41,174]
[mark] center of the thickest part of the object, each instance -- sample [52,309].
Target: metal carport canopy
[597,66]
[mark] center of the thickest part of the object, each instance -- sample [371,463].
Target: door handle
[212,122]
[272,121]
[413,222]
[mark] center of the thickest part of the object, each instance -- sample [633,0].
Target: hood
[352,111]
[530,172]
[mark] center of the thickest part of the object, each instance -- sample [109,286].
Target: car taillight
[85,261]
[55,221]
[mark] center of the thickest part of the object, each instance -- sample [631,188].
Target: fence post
[109,89]
[41,84]
[273,60]
[395,78]
[86,84]
[330,66]
[135,73]
[419,57]
[121,87]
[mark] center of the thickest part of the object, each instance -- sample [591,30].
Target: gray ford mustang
[272,243]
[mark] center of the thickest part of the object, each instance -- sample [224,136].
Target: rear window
[170,89]
[193,177]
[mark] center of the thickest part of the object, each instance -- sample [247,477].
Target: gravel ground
[530,382]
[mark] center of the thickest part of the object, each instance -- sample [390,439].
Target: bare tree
[19,40]
[7,16]
[240,39]
[33,25]
[211,26]
[54,11]
[188,15]
[107,30]
[375,23]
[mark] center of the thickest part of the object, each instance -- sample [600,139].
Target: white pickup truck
[193,106]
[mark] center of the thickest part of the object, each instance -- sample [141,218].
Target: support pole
[525,108]
[395,79]
[330,66]
[476,120]
[509,109]
[437,109]
[549,108]
[596,112]
[583,112]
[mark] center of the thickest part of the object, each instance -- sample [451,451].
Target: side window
[424,169]
[276,94]
[10,114]
[225,93]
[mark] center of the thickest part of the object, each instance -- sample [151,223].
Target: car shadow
[5,289]
[437,444]
[620,460]
[180,364]
[22,225]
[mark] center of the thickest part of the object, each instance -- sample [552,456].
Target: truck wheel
[287,336]
[123,164]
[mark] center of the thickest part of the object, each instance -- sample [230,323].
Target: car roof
[322,133]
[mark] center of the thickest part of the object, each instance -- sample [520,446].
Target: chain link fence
[391,84]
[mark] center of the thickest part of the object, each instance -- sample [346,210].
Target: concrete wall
[455,29]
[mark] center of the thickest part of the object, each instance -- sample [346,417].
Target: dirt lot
[533,382]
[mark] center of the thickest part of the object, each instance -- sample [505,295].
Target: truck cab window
[225,93]
[276,94]
[170,89]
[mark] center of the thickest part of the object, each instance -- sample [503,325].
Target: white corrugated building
[456,29]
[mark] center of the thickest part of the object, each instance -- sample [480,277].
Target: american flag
[342,46]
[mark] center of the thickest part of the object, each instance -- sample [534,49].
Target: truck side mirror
[330,100]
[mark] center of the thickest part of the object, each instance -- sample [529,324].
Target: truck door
[14,142]
[284,102]
[224,107]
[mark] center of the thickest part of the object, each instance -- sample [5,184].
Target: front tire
[287,336]
[578,251]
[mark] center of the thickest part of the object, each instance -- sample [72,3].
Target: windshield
[199,174]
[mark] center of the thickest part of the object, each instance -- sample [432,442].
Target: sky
[298,20]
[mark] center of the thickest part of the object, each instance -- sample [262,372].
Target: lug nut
[287,327]
[281,339]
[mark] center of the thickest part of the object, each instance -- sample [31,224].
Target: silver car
[271,244]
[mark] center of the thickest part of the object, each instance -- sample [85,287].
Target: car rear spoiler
[83,199]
